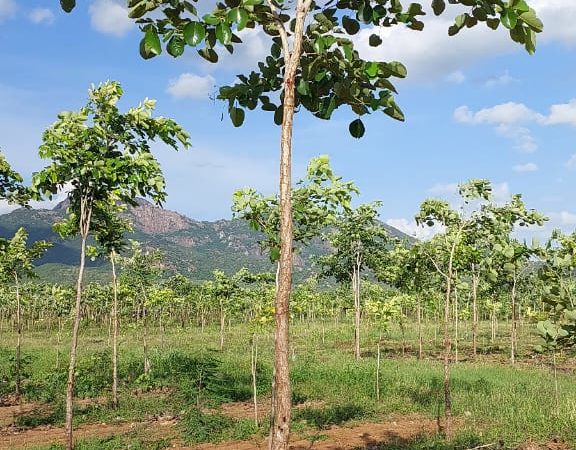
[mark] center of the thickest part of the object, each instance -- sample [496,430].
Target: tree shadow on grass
[393,441]
[322,418]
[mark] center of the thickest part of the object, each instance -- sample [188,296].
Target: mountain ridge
[192,247]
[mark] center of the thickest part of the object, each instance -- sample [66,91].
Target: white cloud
[562,218]
[254,48]
[571,163]
[457,77]
[528,167]
[501,80]
[110,17]
[412,229]
[564,113]
[188,85]
[41,15]
[505,113]
[521,136]
[7,9]
[444,189]
[432,55]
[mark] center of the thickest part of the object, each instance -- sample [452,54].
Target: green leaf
[68,5]
[194,33]
[209,55]
[374,40]
[279,115]
[152,42]
[530,19]
[237,116]
[175,46]
[144,52]
[223,33]
[509,19]
[493,23]
[356,128]
[509,267]
[371,69]
[350,25]
[303,87]
[438,6]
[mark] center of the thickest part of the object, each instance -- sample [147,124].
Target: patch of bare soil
[367,435]
[245,410]
[8,414]
[14,439]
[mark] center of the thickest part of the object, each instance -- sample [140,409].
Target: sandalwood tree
[312,65]
[100,154]
[16,258]
[359,241]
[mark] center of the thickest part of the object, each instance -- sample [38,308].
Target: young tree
[359,241]
[101,154]
[16,258]
[109,233]
[11,187]
[312,64]
[141,270]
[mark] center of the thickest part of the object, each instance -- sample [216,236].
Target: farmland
[197,393]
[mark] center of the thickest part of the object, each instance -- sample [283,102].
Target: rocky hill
[191,247]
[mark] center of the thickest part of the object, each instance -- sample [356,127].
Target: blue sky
[476,106]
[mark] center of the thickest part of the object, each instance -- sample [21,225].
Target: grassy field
[190,380]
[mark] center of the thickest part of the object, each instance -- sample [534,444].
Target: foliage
[316,201]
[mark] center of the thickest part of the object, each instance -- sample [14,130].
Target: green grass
[492,401]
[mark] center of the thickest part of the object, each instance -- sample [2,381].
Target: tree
[11,187]
[16,259]
[109,234]
[141,270]
[312,64]
[359,241]
[101,155]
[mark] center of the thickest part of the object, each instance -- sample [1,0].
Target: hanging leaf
[175,46]
[194,33]
[438,6]
[152,42]
[350,25]
[237,116]
[356,128]
[68,5]
[374,40]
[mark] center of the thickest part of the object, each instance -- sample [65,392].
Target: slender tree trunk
[280,425]
[419,320]
[514,323]
[18,341]
[447,346]
[145,340]
[378,370]
[85,217]
[58,341]
[357,306]
[115,332]
[475,282]
[456,325]
[253,362]
[222,324]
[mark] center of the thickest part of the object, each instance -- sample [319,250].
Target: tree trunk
[222,325]
[280,424]
[447,347]
[253,365]
[419,319]
[85,217]
[514,324]
[18,341]
[115,332]
[475,282]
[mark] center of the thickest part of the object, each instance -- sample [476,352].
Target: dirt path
[366,435]
[8,414]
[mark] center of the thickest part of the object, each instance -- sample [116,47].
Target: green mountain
[193,248]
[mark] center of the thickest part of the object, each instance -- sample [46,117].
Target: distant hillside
[193,248]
